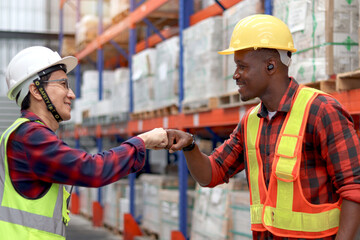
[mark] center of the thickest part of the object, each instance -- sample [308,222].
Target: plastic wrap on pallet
[202,64]
[90,90]
[230,18]
[144,65]
[120,92]
[167,73]
[87,29]
[240,215]
[118,6]
[124,205]
[152,184]
[111,205]
[85,202]
[325,35]
[211,215]
[169,212]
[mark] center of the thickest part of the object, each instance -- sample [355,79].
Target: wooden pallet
[233,99]
[166,111]
[202,105]
[151,235]
[347,81]
[327,86]
[160,112]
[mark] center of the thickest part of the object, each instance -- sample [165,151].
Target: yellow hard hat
[260,31]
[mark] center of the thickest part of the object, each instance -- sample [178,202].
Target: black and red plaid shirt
[330,164]
[37,158]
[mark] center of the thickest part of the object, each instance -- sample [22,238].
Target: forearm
[199,166]
[349,220]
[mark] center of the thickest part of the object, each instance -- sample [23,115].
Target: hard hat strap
[47,100]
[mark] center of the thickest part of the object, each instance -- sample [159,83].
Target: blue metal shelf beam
[120,49]
[268,5]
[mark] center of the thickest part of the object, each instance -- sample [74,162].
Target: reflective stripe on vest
[286,212]
[35,215]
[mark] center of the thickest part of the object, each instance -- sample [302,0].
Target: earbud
[270,67]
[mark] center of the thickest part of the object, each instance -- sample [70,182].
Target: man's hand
[177,140]
[155,139]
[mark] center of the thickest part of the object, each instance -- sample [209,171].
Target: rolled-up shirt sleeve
[227,159]
[40,155]
[340,148]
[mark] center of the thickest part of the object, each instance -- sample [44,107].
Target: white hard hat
[28,62]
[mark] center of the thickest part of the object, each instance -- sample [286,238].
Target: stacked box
[325,35]
[111,205]
[167,73]
[230,18]
[152,184]
[118,6]
[85,201]
[87,29]
[122,7]
[124,204]
[90,92]
[169,212]
[143,78]
[120,91]
[211,215]
[240,215]
[202,63]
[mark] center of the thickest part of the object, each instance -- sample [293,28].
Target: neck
[45,116]
[271,99]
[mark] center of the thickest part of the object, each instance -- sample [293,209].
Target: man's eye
[64,84]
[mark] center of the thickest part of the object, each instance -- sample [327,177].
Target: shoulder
[33,131]
[327,109]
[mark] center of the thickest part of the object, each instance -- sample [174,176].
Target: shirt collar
[286,101]
[30,115]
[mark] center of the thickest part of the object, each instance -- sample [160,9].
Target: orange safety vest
[282,208]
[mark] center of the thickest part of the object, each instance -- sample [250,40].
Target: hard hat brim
[229,51]
[69,61]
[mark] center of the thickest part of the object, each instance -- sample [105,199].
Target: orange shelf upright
[211,11]
[136,16]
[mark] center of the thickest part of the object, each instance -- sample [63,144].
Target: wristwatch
[191,146]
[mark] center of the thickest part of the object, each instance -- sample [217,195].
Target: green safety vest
[31,219]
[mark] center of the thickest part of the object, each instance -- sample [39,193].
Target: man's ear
[35,92]
[271,66]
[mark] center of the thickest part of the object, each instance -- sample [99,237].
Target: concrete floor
[80,228]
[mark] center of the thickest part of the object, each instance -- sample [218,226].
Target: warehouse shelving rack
[212,122]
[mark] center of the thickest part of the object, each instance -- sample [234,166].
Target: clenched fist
[155,139]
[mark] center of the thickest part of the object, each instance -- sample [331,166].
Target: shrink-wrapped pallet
[120,91]
[111,205]
[167,73]
[202,64]
[325,35]
[90,90]
[152,184]
[169,212]
[144,68]
[211,214]
[87,30]
[230,18]
[85,201]
[240,215]
[124,204]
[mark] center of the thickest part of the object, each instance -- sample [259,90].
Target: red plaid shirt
[37,158]
[330,164]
